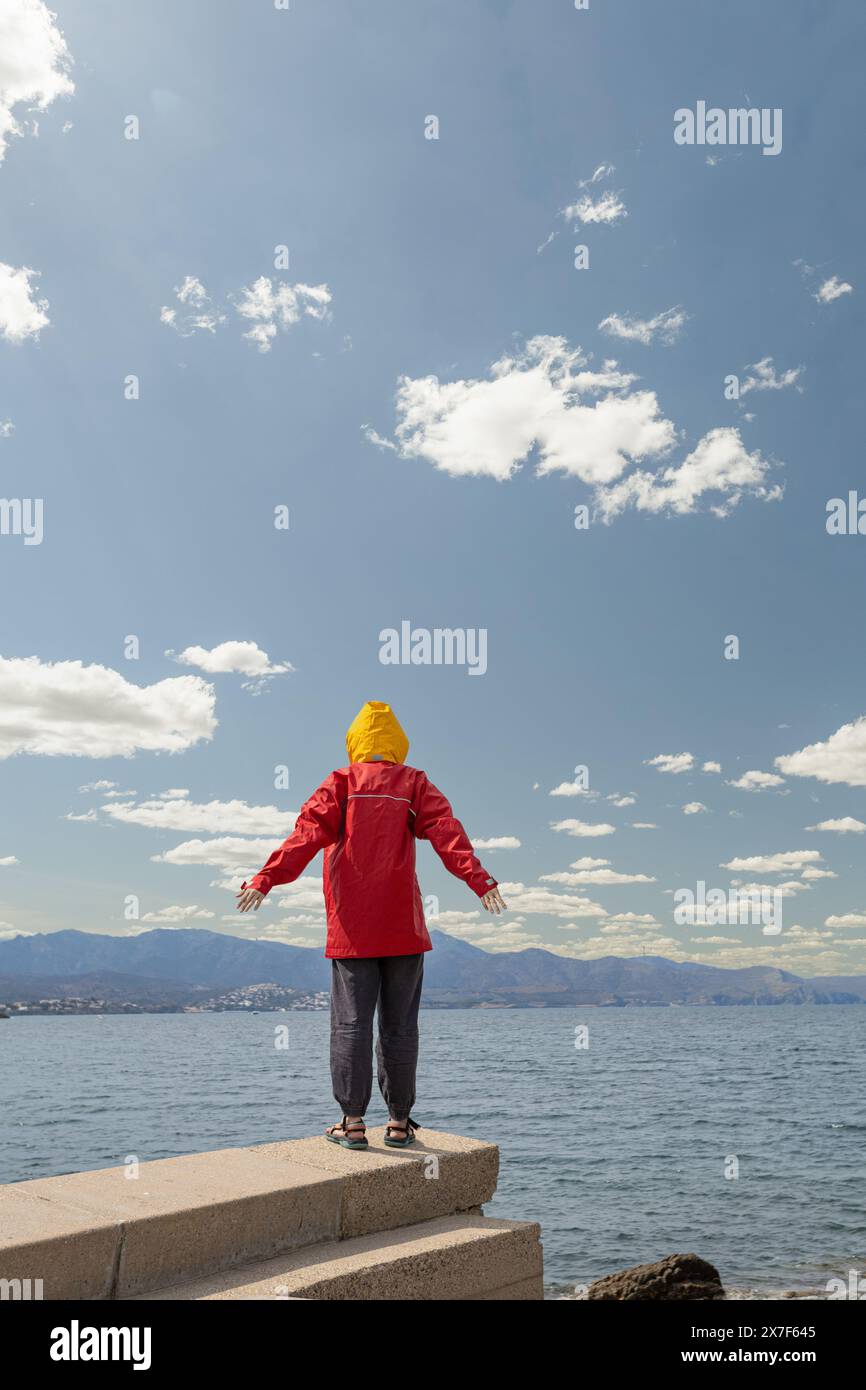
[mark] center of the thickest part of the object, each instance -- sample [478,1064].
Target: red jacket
[367,817]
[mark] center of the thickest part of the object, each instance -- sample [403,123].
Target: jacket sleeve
[319,824]
[436,822]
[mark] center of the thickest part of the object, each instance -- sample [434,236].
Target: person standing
[366,817]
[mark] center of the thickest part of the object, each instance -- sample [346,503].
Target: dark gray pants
[357,985]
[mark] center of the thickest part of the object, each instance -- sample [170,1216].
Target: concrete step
[383,1188]
[467,1258]
[118,1232]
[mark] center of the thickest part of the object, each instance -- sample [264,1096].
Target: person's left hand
[249,898]
[493,902]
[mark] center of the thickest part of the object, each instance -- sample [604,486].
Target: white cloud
[620,801]
[378,439]
[488,428]
[643,825]
[65,708]
[813,873]
[270,305]
[844,825]
[225,852]
[807,955]
[173,794]
[792,860]
[176,914]
[755,781]
[196,311]
[7,429]
[762,377]
[626,943]
[34,63]
[273,932]
[832,289]
[543,900]
[842,758]
[605,210]
[597,877]
[304,900]
[21,315]
[583,829]
[672,762]
[450,918]
[711,767]
[850,919]
[631,919]
[601,171]
[244,658]
[8,861]
[665,327]
[304,894]
[496,937]
[572,789]
[219,817]
[498,842]
[694,808]
[720,462]
[784,890]
[309,921]
[545,402]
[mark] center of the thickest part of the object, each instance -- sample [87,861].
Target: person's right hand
[493,902]
[249,898]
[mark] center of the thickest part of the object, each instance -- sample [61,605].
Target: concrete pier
[301,1219]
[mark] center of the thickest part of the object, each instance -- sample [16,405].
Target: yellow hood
[375,736]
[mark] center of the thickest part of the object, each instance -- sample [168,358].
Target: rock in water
[676,1277]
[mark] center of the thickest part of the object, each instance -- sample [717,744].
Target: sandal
[406,1130]
[342,1134]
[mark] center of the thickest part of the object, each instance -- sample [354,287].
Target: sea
[735,1133]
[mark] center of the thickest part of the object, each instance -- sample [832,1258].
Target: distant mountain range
[168,968]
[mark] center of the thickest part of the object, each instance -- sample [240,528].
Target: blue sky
[446,265]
